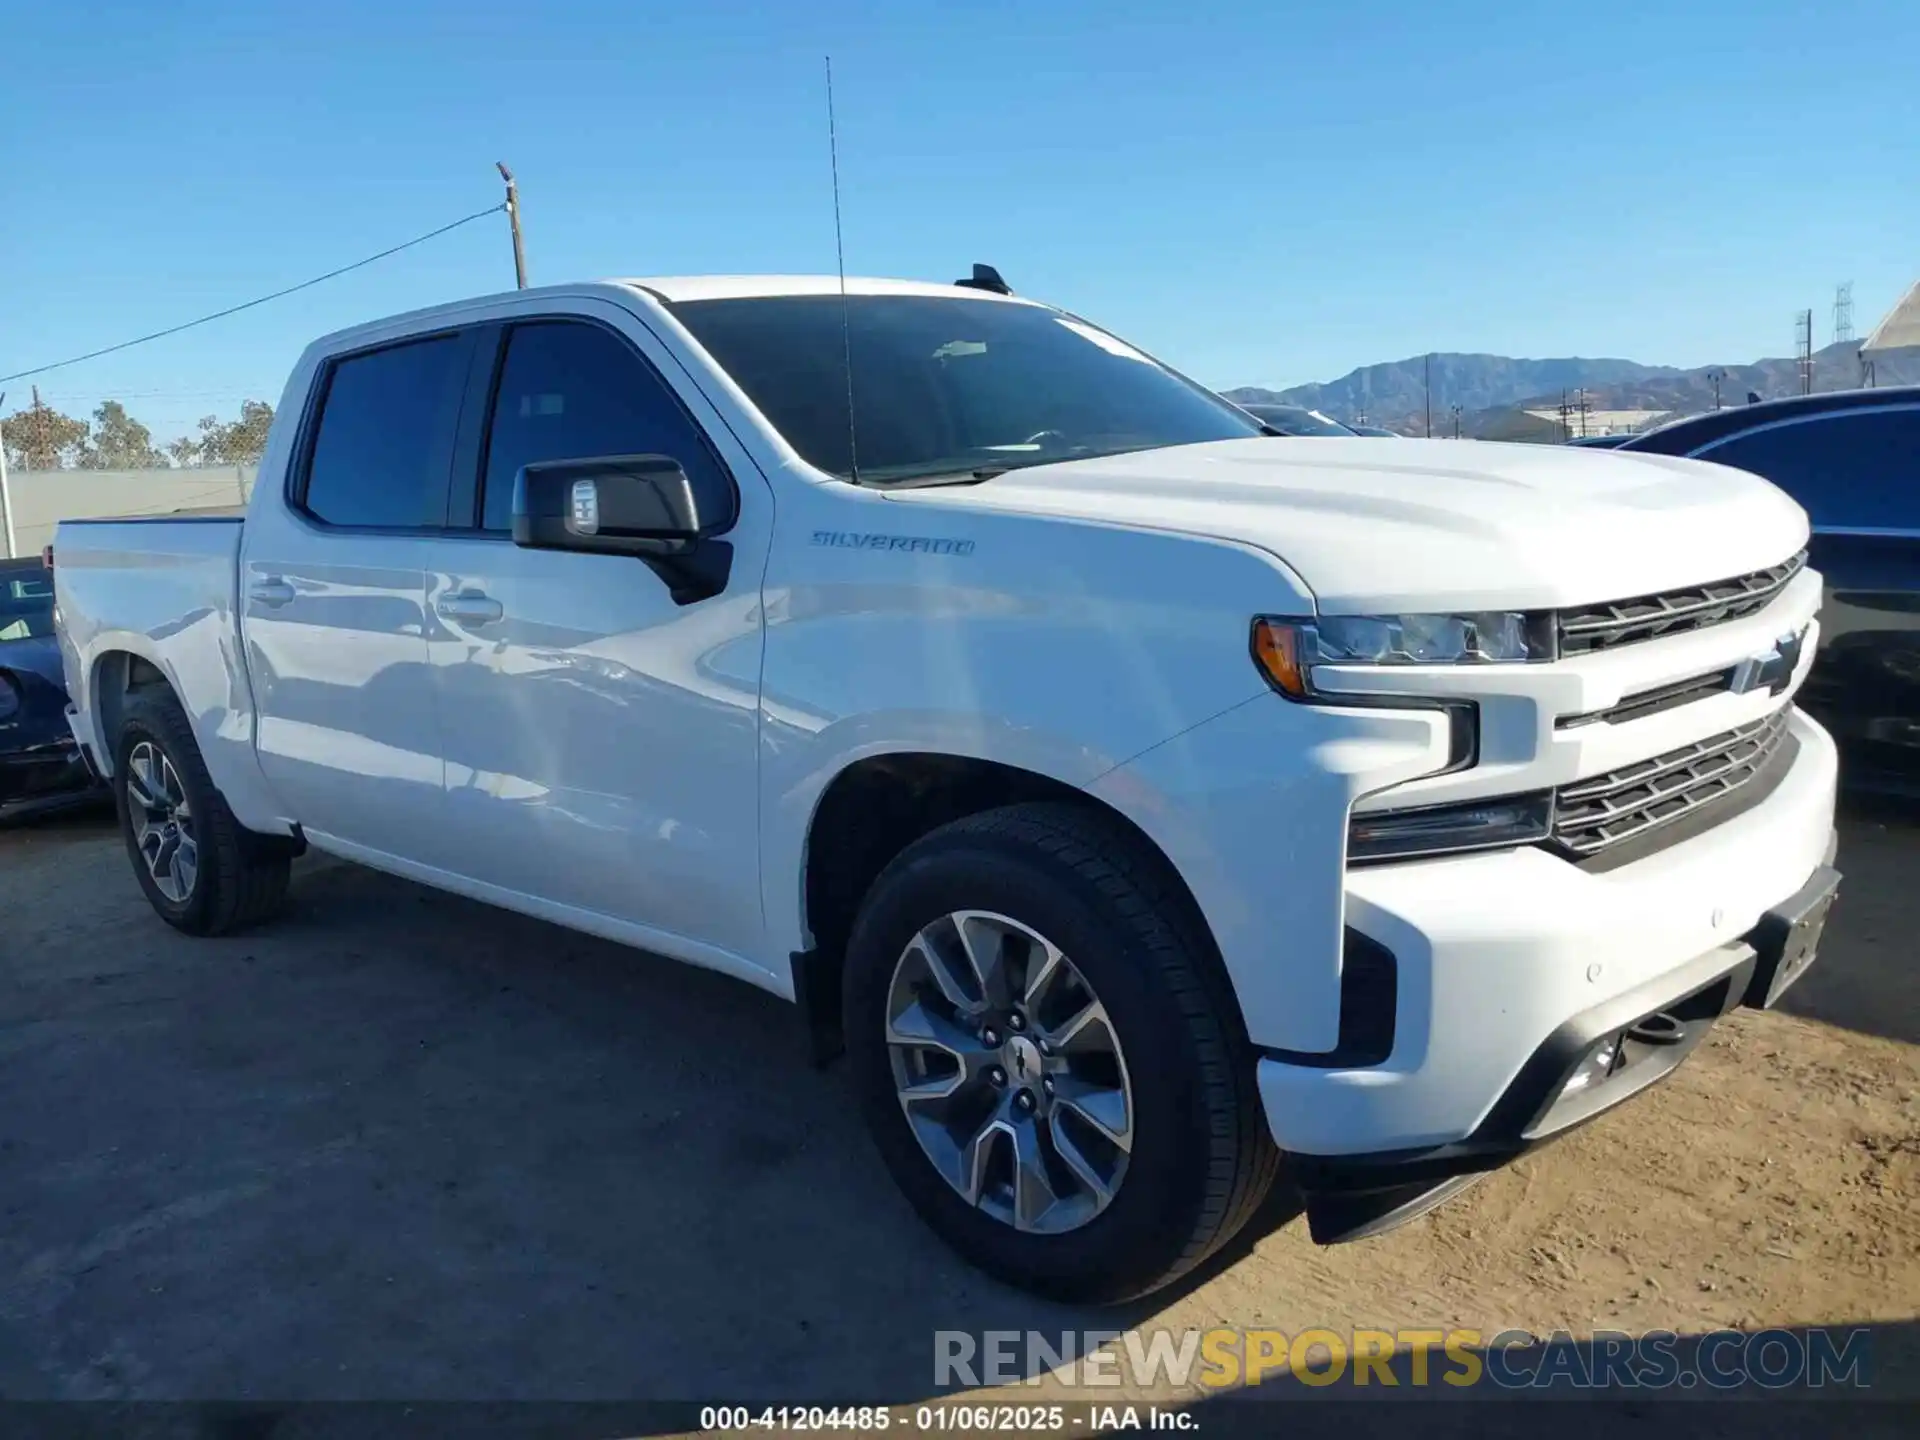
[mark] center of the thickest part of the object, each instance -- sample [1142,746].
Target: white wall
[42,498]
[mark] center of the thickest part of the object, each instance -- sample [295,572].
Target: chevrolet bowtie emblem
[1771,671]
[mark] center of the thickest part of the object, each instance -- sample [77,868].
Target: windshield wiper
[942,477]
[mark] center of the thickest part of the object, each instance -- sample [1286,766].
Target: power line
[114,392]
[236,309]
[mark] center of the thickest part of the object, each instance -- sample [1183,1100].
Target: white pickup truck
[1135,796]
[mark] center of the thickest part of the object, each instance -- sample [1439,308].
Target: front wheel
[201,870]
[1049,1056]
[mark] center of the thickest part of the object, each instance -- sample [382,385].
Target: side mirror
[611,504]
[638,505]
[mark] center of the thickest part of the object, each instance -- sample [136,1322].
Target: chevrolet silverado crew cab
[1135,796]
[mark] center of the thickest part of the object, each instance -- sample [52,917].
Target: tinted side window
[384,445]
[1856,469]
[26,603]
[572,391]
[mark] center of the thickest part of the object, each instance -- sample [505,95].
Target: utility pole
[1456,422]
[1716,376]
[513,222]
[6,495]
[1429,394]
[39,431]
[1803,342]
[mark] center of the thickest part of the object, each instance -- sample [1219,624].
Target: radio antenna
[840,256]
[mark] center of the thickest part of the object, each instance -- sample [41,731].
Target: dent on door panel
[600,741]
[348,731]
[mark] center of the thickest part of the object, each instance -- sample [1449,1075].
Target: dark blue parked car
[1852,459]
[39,763]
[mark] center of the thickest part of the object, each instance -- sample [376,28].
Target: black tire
[1202,1159]
[241,877]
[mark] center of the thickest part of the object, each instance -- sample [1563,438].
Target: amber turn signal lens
[1276,650]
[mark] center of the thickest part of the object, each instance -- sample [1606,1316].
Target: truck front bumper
[1530,995]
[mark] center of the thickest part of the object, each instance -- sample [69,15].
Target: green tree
[119,442]
[231,442]
[39,437]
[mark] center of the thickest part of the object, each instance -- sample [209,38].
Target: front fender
[1251,808]
[1060,649]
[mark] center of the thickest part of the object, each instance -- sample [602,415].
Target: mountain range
[1495,392]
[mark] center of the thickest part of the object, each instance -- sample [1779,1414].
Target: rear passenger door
[333,597]
[1857,473]
[600,739]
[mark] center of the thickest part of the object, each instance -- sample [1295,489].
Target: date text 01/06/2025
[960,1417]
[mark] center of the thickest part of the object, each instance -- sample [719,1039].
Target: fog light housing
[1497,824]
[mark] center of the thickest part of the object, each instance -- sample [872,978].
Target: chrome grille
[1594,814]
[1624,622]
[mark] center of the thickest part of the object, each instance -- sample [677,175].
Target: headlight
[1288,650]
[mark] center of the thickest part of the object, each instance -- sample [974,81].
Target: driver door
[599,739]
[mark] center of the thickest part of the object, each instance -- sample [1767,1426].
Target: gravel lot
[398,1145]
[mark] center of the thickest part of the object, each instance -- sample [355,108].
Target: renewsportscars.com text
[1506,1359]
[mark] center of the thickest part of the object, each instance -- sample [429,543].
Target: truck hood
[1376,525]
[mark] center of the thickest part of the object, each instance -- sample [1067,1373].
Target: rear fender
[198,659]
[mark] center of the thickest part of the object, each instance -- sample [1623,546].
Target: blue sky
[1259,193]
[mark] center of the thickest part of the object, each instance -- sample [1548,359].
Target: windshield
[26,604]
[949,385]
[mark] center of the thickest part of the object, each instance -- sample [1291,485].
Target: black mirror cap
[610,504]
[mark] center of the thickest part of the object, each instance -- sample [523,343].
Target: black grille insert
[1648,617]
[1595,814]
[1652,702]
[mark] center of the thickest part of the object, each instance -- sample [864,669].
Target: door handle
[469,607]
[272,592]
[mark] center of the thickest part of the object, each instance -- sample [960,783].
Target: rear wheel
[1049,1057]
[201,870]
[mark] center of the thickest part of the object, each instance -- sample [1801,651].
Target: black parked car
[39,763]
[1853,460]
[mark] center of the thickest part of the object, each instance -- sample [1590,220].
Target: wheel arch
[117,673]
[122,663]
[877,806]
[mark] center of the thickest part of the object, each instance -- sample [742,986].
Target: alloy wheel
[1009,1072]
[162,821]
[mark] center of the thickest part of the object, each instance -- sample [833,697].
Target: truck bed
[173,576]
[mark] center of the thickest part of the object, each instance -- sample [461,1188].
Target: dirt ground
[402,1146]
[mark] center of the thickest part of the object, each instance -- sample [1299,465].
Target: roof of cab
[742,287]
[670,288]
